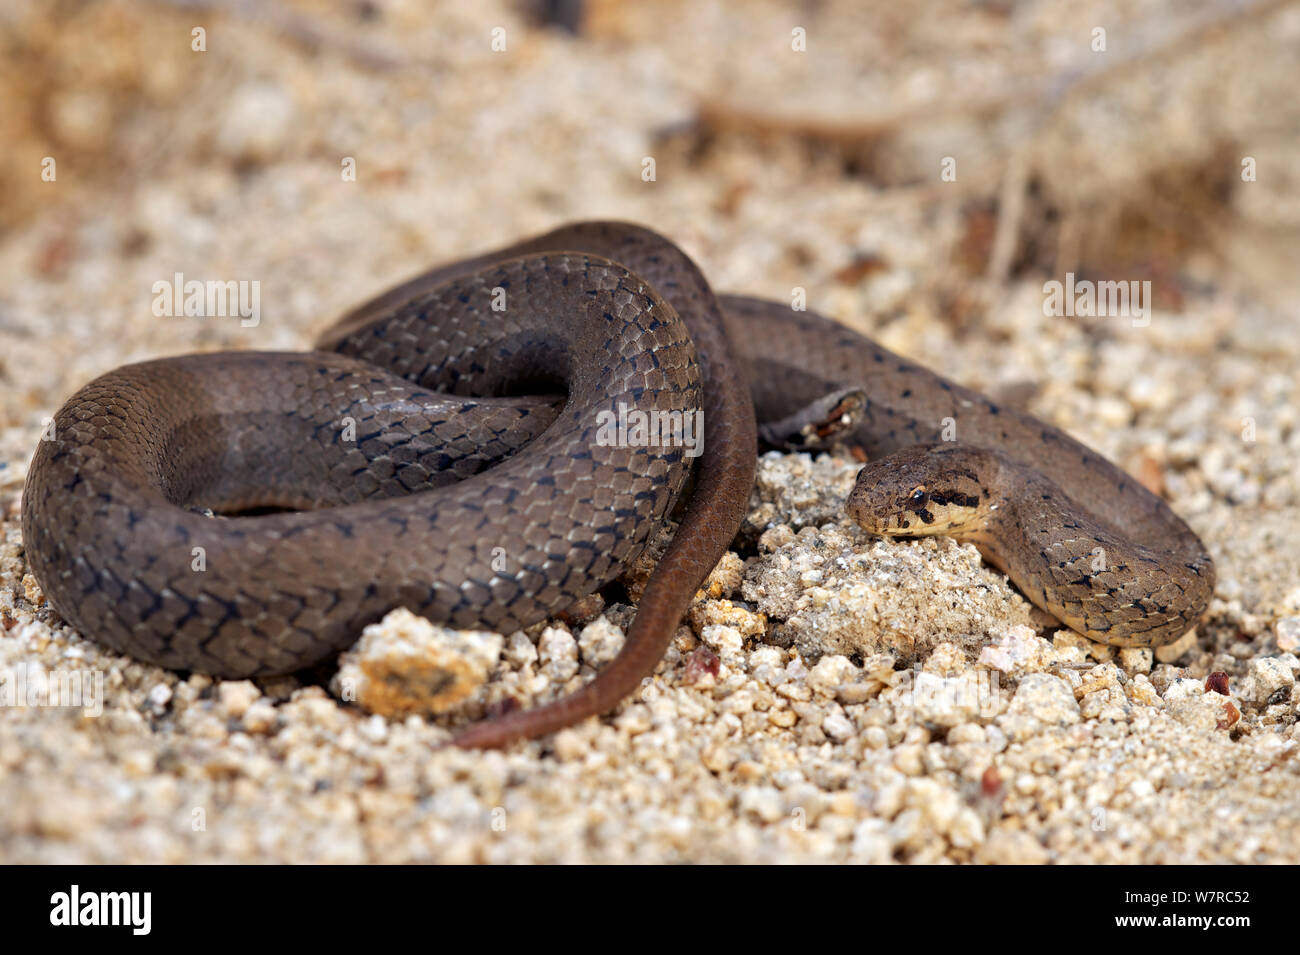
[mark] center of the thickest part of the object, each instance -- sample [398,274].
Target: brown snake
[443,451]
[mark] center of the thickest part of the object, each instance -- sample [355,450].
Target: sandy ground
[832,697]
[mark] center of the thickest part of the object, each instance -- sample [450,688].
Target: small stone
[724,580]
[1182,689]
[520,651]
[991,783]
[726,641]
[600,642]
[159,696]
[1011,847]
[1018,650]
[996,739]
[774,538]
[832,672]
[260,717]
[966,733]
[851,693]
[762,802]
[795,691]
[875,737]
[909,759]
[718,759]
[946,659]
[32,590]
[1098,678]
[1091,705]
[783,718]
[1141,691]
[1136,659]
[872,842]
[702,668]
[1288,634]
[947,701]
[1266,676]
[766,662]
[1018,727]
[1217,682]
[1206,712]
[966,830]
[237,696]
[1163,675]
[558,654]
[374,729]
[569,745]
[405,665]
[1101,652]
[634,720]
[1071,640]
[258,119]
[1047,699]
[707,613]
[839,727]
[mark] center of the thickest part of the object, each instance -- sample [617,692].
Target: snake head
[925,489]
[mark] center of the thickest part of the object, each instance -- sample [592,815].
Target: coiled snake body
[443,451]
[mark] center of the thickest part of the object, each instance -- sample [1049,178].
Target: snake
[456,446]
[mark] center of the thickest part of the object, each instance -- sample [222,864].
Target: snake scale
[247,513]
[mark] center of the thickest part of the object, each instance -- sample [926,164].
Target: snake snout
[880,504]
[923,490]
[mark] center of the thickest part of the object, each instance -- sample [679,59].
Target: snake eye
[918,496]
